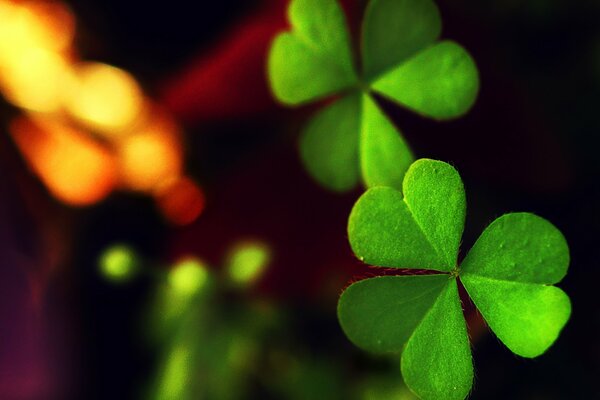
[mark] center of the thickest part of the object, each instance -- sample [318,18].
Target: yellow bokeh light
[104,98]
[188,276]
[74,168]
[46,24]
[34,79]
[118,263]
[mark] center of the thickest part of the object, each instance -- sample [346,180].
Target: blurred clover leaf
[508,274]
[351,139]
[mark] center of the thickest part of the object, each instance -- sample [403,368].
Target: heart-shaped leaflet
[314,59]
[421,229]
[507,273]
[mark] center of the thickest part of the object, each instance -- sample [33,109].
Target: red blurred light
[181,201]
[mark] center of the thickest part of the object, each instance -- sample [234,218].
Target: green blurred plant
[384,387]
[215,339]
[508,274]
[246,262]
[209,345]
[352,139]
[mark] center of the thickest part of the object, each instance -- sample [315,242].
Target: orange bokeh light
[151,155]
[54,26]
[104,98]
[181,201]
[68,100]
[74,168]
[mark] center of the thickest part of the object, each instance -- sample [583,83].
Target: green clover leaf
[515,259]
[314,59]
[508,274]
[351,140]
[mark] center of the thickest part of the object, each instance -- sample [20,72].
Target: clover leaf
[508,274]
[352,140]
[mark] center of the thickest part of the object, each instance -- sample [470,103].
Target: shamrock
[508,274]
[351,138]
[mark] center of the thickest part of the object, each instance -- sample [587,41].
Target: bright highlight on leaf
[507,273]
[352,140]
[118,263]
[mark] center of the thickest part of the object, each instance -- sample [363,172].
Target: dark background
[529,144]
